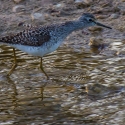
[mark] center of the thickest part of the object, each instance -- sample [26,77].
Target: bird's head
[89,20]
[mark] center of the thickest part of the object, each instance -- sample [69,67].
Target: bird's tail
[1,42]
[5,40]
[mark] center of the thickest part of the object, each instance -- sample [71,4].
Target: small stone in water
[78,1]
[83,3]
[101,16]
[114,16]
[88,1]
[59,5]
[95,41]
[37,16]
[101,90]
[95,28]
[18,8]
[17,1]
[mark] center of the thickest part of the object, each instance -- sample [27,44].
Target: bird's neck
[61,31]
[71,26]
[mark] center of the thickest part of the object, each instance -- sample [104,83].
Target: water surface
[26,100]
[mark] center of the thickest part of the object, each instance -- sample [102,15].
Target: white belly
[38,51]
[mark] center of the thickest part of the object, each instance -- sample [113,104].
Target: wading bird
[41,40]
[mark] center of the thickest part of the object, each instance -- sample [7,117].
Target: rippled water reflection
[25,100]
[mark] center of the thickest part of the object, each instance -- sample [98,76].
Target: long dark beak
[99,24]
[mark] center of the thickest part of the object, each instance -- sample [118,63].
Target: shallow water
[26,100]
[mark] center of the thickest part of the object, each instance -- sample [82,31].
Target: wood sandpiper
[39,41]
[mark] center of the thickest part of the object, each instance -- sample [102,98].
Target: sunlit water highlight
[25,100]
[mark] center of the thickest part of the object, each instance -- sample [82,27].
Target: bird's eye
[90,20]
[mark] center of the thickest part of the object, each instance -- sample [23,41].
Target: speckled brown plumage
[30,37]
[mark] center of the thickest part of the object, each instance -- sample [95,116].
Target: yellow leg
[41,92]
[14,65]
[41,67]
